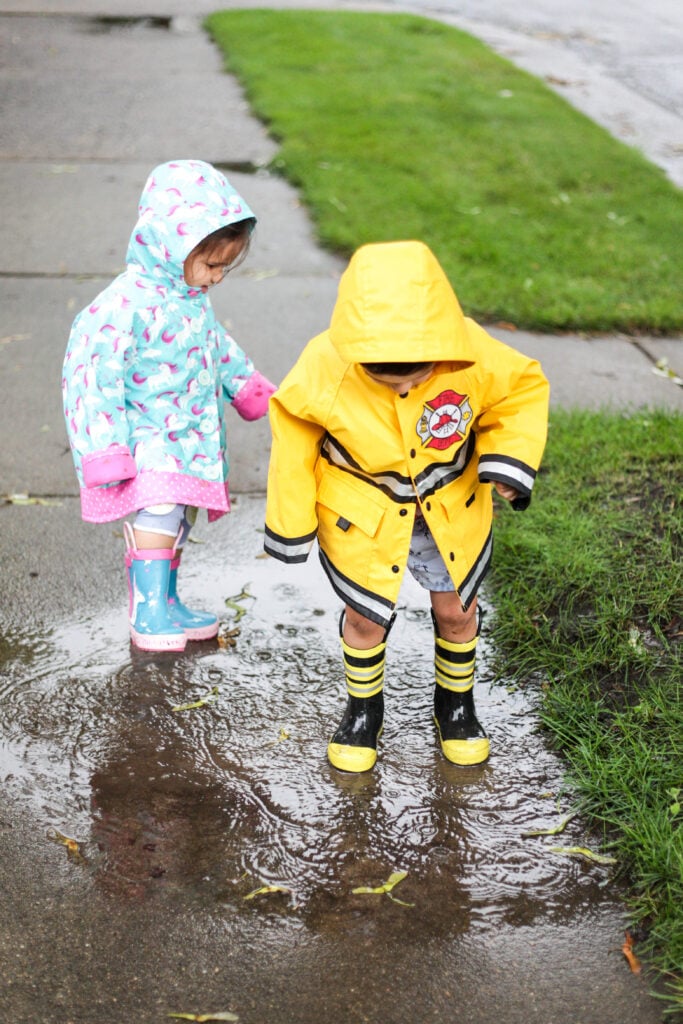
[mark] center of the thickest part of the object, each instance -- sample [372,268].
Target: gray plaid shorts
[424,561]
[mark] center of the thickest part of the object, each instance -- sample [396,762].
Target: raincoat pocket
[341,504]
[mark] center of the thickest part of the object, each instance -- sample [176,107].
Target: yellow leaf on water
[266,890]
[550,831]
[394,878]
[202,702]
[73,847]
[233,602]
[582,851]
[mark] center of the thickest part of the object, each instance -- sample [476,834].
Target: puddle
[209,804]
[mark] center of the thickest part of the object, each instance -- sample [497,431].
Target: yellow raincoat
[352,460]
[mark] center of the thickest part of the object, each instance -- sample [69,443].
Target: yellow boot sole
[466,753]
[352,759]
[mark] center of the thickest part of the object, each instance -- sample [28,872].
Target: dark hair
[240,231]
[396,369]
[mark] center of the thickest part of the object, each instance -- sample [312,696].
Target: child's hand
[505,491]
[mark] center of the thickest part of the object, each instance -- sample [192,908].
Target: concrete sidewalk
[86,116]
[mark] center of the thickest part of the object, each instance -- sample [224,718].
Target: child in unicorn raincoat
[388,435]
[147,373]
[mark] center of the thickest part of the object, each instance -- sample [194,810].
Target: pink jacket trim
[108,465]
[106,504]
[251,401]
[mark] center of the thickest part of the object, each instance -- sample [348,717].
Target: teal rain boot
[197,625]
[353,748]
[463,740]
[152,626]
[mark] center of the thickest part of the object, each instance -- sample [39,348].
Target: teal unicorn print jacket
[148,367]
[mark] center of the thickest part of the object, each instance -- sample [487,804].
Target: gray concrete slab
[592,373]
[142,94]
[91,208]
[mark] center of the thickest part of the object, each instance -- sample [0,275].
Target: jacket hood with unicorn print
[182,202]
[148,367]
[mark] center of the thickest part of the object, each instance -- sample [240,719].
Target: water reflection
[209,804]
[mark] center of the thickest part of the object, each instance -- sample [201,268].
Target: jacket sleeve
[93,387]
[243,386]
[291,519]
[513,420]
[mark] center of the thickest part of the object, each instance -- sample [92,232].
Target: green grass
[588,592]
[394,126]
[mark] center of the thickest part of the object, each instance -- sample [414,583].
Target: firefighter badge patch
[444,420]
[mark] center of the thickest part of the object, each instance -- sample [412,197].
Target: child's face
[204,269]
[402,383]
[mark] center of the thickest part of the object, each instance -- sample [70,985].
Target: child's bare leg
[145,540]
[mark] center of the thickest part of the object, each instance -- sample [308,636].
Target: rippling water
[215,802]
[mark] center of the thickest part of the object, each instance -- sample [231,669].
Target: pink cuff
[108,466]
[251,401]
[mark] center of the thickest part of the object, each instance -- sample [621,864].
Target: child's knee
[360,631]
[451,617]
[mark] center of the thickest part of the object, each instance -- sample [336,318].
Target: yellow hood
[395,304]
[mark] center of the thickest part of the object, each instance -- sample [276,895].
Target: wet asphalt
[180,815]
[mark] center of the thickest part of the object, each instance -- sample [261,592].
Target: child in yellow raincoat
[388,435]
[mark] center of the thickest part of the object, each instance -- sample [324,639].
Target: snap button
[429,506]
[412,453]
[394,568]
[403,512]
[204,377]
[452,557]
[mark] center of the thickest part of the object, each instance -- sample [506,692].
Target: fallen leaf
[550,831]
[228,637]
[205,1018]
[662,369]
[582,851]
[266,890]
[627,950]
[193,705]
[233,602]
[26,499]
[394,878]
[73,847]
[7,339]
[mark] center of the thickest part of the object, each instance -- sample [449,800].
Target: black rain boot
[463,739]
[353,748]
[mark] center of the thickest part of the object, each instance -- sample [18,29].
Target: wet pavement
[180,815]
[177,816]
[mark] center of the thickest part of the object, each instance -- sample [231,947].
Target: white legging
[169,520]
